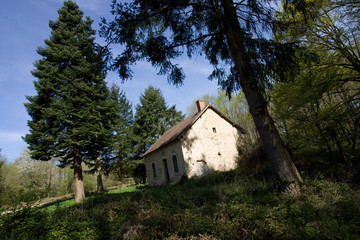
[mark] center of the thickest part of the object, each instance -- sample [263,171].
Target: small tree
[153,117]
[71,92]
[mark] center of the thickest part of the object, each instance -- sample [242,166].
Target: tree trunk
[275,149]
[78,177]
[99,186]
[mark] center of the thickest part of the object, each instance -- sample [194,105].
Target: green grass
[230,205]
[71,202]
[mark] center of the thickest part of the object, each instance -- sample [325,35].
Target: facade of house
[200,144]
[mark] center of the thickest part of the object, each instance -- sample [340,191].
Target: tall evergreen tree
[153,117]
[233,35]
[67,112]
[123,131]
[123,122]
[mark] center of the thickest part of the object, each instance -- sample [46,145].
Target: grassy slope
[231,205]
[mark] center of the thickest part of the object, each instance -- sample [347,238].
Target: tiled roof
[178,130]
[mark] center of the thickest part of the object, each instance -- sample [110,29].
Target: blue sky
[24,27]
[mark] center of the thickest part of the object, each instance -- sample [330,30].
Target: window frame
[153,169]
[175,163]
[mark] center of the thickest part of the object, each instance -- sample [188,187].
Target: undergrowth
[237,204]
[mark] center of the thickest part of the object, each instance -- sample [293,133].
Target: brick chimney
[200,105]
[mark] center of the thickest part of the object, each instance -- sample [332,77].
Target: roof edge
[192,123]
[182,133]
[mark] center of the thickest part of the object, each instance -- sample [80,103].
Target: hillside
[230,205]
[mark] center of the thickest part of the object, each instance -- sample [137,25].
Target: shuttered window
[154,169]
[176,167]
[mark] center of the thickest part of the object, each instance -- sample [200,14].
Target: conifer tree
[153,117]
[123,135]
[123,122]
[68,112]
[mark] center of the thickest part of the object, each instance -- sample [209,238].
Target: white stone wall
[210,145]
[157,158]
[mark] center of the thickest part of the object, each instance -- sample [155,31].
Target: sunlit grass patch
[71,202]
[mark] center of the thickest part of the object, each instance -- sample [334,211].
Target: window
[154,169]
[176,167]
[214,130]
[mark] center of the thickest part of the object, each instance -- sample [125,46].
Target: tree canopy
[153,117]
[67,114]
[320,104]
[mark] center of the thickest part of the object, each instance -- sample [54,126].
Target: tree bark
[99,185]
[78,177]
[275,149]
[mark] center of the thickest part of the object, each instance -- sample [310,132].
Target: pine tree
[123,134]
[67,114]
[153,117]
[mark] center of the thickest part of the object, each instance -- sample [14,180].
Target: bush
[140,174]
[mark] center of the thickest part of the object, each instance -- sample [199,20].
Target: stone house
[200,144]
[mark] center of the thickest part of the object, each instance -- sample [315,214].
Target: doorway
[166,171]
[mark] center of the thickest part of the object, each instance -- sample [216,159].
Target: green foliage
[139,174]
[239,204]
[27,224]
[122,149]
[123,171]
[161,31]
[71,114]
[70,106]
[28,181]
[318,108]
[153,117]
[122,124]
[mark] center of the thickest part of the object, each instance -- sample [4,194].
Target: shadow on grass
[69,202]
[224,205]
